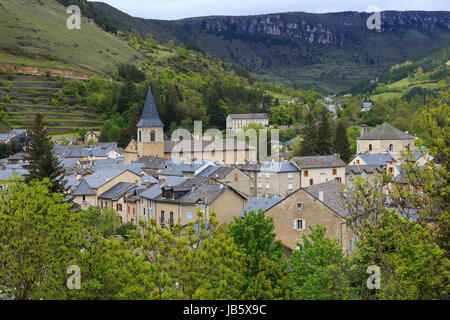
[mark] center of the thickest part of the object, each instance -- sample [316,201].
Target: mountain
[34,32]
[330,52]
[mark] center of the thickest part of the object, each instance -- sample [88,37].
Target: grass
[39,30]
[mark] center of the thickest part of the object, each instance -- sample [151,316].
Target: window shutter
[303,224]
[295,224]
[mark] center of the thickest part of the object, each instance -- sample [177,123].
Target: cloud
[178,9]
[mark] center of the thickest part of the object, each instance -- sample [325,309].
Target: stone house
[385,139]
[272,179]
[320,204]
[320,169]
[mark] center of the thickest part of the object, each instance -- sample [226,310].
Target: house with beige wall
[320,169]
[320,204]
[272,179]
[179,204]
[385,139]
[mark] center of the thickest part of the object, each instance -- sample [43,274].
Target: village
[145,181]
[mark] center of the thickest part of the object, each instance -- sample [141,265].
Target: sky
[178,9]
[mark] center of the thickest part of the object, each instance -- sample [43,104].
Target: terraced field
[23,96]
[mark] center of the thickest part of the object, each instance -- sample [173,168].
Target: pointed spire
[150,117]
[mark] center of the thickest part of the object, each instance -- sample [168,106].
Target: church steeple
[150,117]
[150,132]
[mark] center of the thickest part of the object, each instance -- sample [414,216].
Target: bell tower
[150,130]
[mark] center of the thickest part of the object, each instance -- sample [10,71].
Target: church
[150,143]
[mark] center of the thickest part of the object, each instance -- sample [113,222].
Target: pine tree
[42,161]
[340,143]
[309,134]
[324,136]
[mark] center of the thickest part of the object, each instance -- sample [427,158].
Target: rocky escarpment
[330,28]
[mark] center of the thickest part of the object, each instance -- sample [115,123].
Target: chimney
[321,196]
[363,129]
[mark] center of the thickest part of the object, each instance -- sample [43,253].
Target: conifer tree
[42,161]
[309,134]
[340,143]
[324,136]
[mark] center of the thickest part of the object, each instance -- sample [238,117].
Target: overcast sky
[177,9]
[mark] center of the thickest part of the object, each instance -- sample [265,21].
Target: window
[140,136]
[84,198]
[391,170]
[391,147]
[305,173]
[128,209]
[351,177]
[119,207]
[299,207]
[144,211]
[334,172]
[236,177]
[259,185]
[290,186]
[357,162]
[323,177]
[171,218]
[152,135]
[299,224]
[267,185]
[349,225]
[339,179]
[267,175]
[351,245]
[162,216]
[259,174]
[189,216]
[150,213]
[289,175]
[370,147]
[311,182]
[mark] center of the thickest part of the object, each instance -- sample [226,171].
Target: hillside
[34,32]
[330,52]
[421,76]
[22,96]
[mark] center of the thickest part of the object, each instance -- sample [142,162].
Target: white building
[237,122]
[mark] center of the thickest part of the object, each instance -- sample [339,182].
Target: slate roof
[83,189]
[68,163]
[102,176]
[386,132]
[377,158]
[18,156]
[150,117]
[206,193]
[133,167]
[363,168]
[216,145]
[152,162]
[312,162]
[117,191]
[278,167]
[9,173]
[249,116]
[260,203]
[332,195]
[152,193]
[149,179]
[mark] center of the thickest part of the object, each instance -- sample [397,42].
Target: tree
[324,135]
[43,163]
[124,138]
[264,272]
[309,146]
[341,144]
[40,237]
[128,95]
[320,270]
